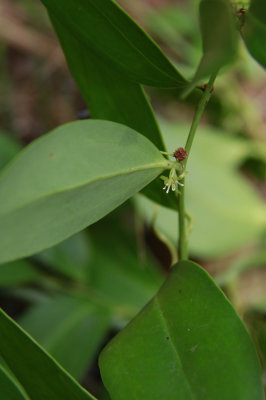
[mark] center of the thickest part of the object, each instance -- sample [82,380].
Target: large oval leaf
[112,96]
[187,343]
[68,180]
[105,28]
[36,371]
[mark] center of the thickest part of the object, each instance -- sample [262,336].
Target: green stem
[183,240]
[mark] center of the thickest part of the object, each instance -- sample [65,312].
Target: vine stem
[183,239]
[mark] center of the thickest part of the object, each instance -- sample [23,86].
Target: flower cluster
[172,181]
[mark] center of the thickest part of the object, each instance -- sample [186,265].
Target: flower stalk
[182,228]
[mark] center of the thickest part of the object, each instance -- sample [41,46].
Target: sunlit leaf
[68,180]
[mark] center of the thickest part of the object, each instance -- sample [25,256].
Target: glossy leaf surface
[187,343]
[109,31]
[112,96]
[254,30]
[221,222]
[31,364]
[70,329]
[68,180]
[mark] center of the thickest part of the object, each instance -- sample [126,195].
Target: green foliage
[256,321]
[39,374]
[219,37]
[214,189]
[17,273]
[125,281]
[109,95]
[254,30]
[186,341]
[8,149]
[62,179]
[70,257]
[106,29]
[182,349]
[73,319]
[71,329]
[10,389]
[112,96]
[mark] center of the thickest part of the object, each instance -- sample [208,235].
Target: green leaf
[219,38]
[17,273]
[255,319]
[124,279]
[109,95]
[214,187]
[70,329]
[70,257]
[187,343]
[10,389]
[112,96]
[254,30]
[104,395]
[176,27]
[105,28]
[68,180]
[37,372]
[8,148]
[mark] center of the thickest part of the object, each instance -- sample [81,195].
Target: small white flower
[167,187]
[172,181]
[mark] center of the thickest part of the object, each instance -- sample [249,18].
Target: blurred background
[74,297]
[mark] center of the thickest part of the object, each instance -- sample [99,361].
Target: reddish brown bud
[203,88]
[241,11]
[180,154]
